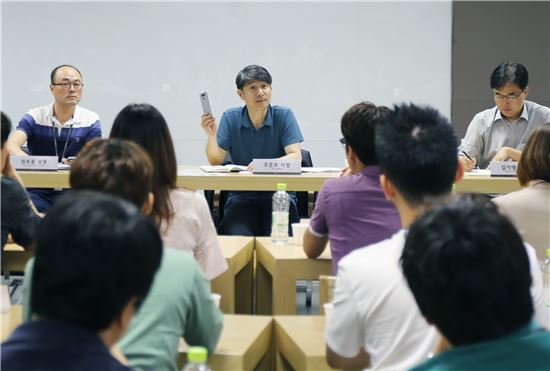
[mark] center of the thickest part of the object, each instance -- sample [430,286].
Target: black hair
[509,73]
[94,253]
[6,127]
[54,71]
[468,270]
[416,150]
[145,125]
[358,128]
[251,73]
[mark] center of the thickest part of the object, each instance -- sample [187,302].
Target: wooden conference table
[192,177]
[278,267]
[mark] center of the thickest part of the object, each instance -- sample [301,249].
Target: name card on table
[276,166]
[40,163]
[503,168]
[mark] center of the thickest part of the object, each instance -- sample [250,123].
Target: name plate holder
[276,166]
[34,163]
[503,168]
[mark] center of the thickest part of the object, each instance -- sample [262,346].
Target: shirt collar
[76,115]
[524,115]
[371,170]
[245,119]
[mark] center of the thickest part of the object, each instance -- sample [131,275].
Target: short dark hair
[251,73]
[6,127]
[94,253]
[145,125]
[416,150]
[114,166]
[534,162]
[358,128]
[54,71]
[468,270]
[509,73]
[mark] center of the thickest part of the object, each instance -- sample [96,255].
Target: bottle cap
[197,354]
[548,253]
[281,186]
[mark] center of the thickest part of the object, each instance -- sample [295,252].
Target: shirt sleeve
[212,260]
[537,289]
[318,223]
[94,132]
[343,334]
[205,321]
[18,216]
[291,130]
[224,135]
[473,143]
[26,293]
[26,125]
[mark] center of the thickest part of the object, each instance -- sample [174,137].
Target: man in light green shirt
[179,302]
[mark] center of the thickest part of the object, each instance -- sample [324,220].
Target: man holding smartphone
[59,129]
[257,130]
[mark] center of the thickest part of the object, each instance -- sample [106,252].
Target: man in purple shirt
[352,211]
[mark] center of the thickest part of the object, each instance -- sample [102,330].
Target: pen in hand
[469,158]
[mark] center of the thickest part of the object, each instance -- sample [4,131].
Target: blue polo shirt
[244,142]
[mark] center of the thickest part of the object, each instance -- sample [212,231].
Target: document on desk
[321,169]
[229,168]
[480,172]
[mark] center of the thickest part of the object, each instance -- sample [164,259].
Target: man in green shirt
[468,270]
[179,302]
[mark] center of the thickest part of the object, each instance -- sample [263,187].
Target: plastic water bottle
[279,216]
[196,359]
[546,285]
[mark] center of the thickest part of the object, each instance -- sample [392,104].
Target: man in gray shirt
[500,133]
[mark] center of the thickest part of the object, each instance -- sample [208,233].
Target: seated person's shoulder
[11,189]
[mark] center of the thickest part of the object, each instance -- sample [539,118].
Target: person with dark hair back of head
[180,302]
[59,129]
[500,133]
[19,216]
[351,211]
[182,215]
[87,285]
[468,270]
[373,308]
[529,208]
[257,130]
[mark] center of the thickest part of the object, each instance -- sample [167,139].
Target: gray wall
[324,57]
[488,33]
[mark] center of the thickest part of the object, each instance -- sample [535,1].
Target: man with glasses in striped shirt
[59,129]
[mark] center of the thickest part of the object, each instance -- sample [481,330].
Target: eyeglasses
[510,97]
[67,85]
[343,142]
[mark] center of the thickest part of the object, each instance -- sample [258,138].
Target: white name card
[276,166]
[503,168]
[40,163]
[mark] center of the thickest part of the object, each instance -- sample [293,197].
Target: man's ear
[388,188]
[526,92]
[240,93]
[51,88]
[147,207]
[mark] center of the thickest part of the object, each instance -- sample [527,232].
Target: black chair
[302,198]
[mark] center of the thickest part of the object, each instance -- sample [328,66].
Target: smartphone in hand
[205,102]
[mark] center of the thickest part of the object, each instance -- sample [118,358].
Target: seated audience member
[89,280]
[375,321]
[179,303]
[352,211]
[468,270]
[500,133]
[182,215]
[19,216]
[257,130]
[529,208]
[59,129]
